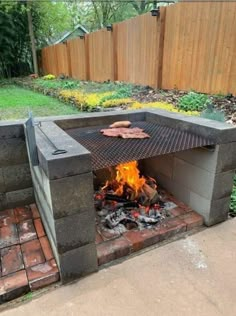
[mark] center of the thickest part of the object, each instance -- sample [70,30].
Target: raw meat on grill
[135,135]
[134,132]
[120,124]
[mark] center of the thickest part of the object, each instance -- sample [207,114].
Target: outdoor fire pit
[102,197]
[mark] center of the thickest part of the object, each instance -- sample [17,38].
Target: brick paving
[112,246]
[27,261]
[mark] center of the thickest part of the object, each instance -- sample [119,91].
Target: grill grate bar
[109,151]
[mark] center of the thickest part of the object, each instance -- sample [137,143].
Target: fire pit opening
[126,199]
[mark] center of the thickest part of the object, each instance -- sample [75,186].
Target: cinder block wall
[15,178]
[201,178]
[63,187]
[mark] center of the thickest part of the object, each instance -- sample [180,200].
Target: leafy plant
[122,93]
[193,101]
[215,115]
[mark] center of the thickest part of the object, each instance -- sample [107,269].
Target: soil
[224,103]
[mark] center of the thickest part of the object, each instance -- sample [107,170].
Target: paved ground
[194,276]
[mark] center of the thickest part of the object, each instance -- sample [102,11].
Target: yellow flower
[163,106]
[49,77]
[116,102]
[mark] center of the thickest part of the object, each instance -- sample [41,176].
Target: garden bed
[91,96]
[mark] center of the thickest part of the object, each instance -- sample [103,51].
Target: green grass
[15,103]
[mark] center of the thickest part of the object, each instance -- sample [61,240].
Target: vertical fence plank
[77,58]
[190,46]
[100,48]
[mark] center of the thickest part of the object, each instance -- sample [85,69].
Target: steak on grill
[134,132]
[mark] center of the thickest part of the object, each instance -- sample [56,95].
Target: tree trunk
[32,38]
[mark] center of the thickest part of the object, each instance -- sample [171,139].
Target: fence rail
[188,46]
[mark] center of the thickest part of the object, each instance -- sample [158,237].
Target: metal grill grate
[110,151]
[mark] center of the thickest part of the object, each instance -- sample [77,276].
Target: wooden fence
[189,46]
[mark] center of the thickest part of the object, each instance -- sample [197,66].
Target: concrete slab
[193,276]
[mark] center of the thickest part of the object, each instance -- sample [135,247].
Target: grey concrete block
[16,177]
[20,197]
[41,183]
[11,129]
[219,211]
[213,211]
[196,179]
[159,165]
[226,157]
[78,262]
[72,195]
[200,157]
[2,183]
[223,185]
[13,152]
[77,160]
[75,231]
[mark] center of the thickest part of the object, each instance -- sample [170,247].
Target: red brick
[7,217]
[35,211]
[47,250]
[150,237]
[26,231]
[177,211]
[13,286]
[192,219]
[105,253]
[170,228]
[136,239]
[98,239]
[39,227]
[180,204]
[113,249]
[11,259]
[8,236]
[43,274]
[23,213]
[32,253]
[107,234]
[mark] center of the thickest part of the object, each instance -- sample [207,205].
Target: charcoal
[148,220]
[112,197]
[103,212]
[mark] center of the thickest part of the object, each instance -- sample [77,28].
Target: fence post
[68,59]
[86,47]
[114,43]
[161,24]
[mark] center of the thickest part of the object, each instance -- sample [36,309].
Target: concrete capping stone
[78,262]
[75,231]
[77,160]
[217,131]
[95,119]
[72,195]
[16,177]
[11,129]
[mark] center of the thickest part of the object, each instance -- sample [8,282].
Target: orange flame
[128,174]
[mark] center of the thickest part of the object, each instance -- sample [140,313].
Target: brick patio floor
[27,261]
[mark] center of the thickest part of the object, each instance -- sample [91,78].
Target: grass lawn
[15,103]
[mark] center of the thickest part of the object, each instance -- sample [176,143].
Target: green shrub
[193,101]
[233,198]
